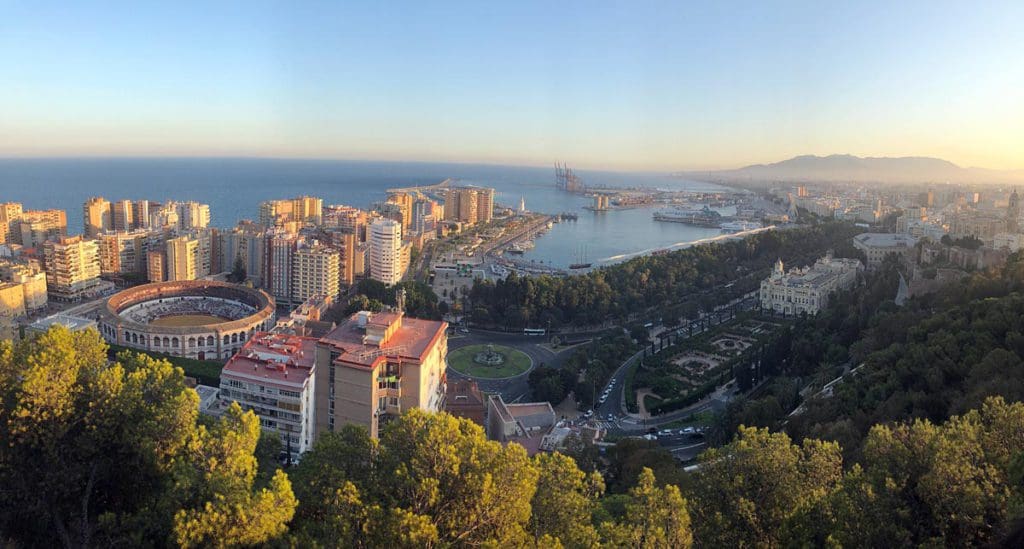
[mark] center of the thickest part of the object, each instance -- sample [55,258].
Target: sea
[234,187]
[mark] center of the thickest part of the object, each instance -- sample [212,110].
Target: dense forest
[676,284]
[936,356]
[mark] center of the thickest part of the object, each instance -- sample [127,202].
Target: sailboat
[581,259]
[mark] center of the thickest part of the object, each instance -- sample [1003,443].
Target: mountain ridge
[871,169]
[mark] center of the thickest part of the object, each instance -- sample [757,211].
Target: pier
[425,188]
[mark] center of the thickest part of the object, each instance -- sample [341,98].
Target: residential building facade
[273,375]
[374,366]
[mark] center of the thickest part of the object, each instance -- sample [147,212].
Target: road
[516,388]
[612,413]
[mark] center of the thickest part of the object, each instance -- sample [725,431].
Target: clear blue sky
[646,85]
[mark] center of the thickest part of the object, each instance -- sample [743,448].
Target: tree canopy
[671,283]
[108,454]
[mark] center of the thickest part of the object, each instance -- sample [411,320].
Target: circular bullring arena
[199,319]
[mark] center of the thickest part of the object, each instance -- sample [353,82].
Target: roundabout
[489,361]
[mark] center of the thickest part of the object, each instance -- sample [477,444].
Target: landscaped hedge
[691,398]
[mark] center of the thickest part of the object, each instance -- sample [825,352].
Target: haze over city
[584,274]
[656,86]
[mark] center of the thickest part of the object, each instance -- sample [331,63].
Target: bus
[534,331]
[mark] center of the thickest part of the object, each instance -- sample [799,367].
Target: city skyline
[657,87]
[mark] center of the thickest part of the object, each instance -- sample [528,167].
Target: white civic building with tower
[807,290]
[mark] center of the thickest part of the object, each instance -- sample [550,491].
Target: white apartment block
[389,256]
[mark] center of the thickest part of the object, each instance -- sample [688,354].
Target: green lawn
[461,360]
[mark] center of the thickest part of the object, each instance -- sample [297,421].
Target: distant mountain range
[848,168]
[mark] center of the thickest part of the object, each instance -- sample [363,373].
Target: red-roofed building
[465,400]
[374,366]
[272,375]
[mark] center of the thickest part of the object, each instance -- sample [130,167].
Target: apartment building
[389,255]
[10,213]
[469,205]
[193,215]
[122,215]
[32,281]
[156,265]
[123,252]
[404,202]
[273,375]
[72,267]
[96,216]
[315,271]
[181,258]
[484,205]
[37,226]
[302,210]
[374,366]
[248,242]
[279,253]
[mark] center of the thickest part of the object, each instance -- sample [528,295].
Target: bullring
[198,319]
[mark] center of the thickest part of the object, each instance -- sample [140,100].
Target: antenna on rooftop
[400,300]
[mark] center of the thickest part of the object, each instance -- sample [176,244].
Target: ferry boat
[705,217]
[739,226]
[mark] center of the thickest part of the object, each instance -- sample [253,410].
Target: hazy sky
[655,85]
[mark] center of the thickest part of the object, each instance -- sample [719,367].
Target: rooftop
[365,338]
[463,392]
[70,322]
[886,240]
[821,273]
[279,358]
